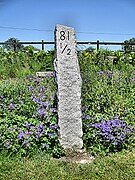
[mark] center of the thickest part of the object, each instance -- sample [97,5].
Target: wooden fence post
[15,45]
[42,45]
[97,45]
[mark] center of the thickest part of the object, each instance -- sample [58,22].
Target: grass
[42,167]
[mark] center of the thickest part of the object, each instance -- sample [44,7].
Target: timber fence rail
[43,43]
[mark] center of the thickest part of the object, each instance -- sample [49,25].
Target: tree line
[15,46]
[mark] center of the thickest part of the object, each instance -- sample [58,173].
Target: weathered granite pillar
[69,88]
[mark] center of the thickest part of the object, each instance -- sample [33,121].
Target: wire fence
[43,43]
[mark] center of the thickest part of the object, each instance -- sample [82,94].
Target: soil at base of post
[77,157]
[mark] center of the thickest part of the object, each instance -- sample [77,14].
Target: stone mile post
[68,89]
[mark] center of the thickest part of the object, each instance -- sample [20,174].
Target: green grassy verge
[41,167]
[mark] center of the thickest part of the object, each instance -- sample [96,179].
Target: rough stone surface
[69,88]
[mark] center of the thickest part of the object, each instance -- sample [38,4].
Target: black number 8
[62,35]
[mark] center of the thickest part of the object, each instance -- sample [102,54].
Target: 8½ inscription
[65,36]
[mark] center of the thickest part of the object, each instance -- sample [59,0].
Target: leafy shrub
[28,111]
[28,116]
[21,64]
[107,92]
[110,135]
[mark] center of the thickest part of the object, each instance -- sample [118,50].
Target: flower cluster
[28,117]
[114,133]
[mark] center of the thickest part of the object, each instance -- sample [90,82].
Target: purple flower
[32,127]
[1,97]
[24,142]
[95,118]
[33,96]
[95,133]
[39,107]
[89,125]
[19,99]
[40,112]
[43,104]
[21,93]
[52,110]
[7,144]
[10,129]
[47,104]
[112,131]
[46,145]
[15,126]
[8,147]
[101,118]
[29,133]
[53,126]
[28,77]
[87,117]
[126,110]
[30,88]
[27,137]
[121,137]
[8,82]
[51,134]
[128,131]
[132,128]
[115,143]
[35,99]
[83,108]
[109,74]
[38,135]
[101,72]
[50,97]
[41,89]
[21,134]
[40,127]
[116,116]
[28,144]
[28,125]
[3,106]
[38,100]
[12,106]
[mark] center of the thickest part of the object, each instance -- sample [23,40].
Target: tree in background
[13,45]
[128,45]
[90,49]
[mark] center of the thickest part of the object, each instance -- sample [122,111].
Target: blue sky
[88,16]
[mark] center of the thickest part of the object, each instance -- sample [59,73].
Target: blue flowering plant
[109,136]
[28,116]
[108,86]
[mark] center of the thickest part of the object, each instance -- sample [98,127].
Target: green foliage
[30,49]
[21,64]
[28,116]
[128,45]
[90,49]
[107,93]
